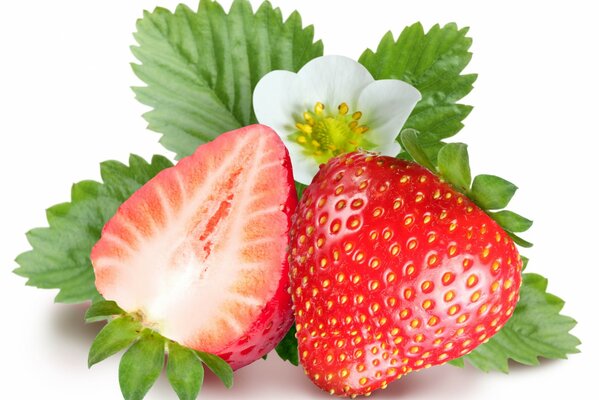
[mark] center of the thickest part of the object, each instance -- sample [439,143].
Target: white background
[65,106]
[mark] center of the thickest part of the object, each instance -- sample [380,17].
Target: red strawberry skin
[392,271]
[200,251]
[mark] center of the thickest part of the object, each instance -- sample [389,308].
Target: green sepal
[143,361]
[410,143]
[524,262]
[491,192]
[117,335]
[454,165]
[103,310]
[287,348]
[219,367]
[519,241]
[510,221]
[141,365]
[457,362]
[184,371]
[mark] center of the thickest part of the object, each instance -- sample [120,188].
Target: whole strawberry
[393,270]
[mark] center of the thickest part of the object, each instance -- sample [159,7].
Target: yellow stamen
[308,118]
[343,108]
[319,108]
[304,128]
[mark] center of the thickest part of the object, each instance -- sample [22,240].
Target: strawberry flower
[332,106]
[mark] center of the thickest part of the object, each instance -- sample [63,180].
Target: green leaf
[510,221]
[60,255]
[492,192]
[454,165]
[287,348]
[184,371]
[524,262]
[141,365]
[218,366]
[114,337]
[103,310]
[432,62]
[201,67]
[537,329]
[410,142]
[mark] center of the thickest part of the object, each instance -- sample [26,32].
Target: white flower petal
[273,101]
[331,80]
[390,149]
[386,105]
[304,168]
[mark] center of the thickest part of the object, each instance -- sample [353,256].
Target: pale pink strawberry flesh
[199,250]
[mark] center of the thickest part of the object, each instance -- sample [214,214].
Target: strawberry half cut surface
[198,254]
[393,270]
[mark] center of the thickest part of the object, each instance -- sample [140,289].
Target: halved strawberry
[393,271]
[199,252]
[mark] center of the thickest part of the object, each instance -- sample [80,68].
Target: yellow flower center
[324,134]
